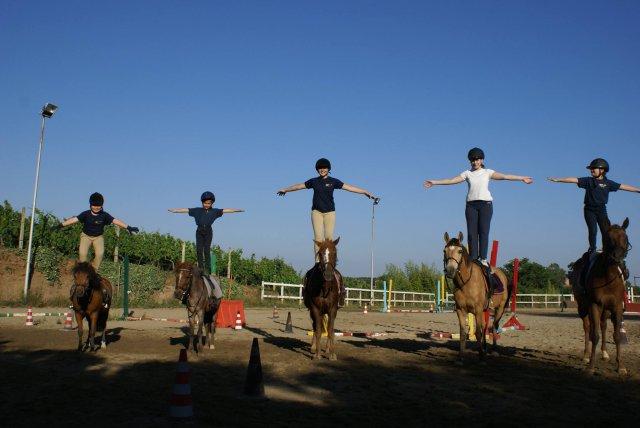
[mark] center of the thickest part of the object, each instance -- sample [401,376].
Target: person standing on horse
[323,209]
[479,207]
[93,222]
[596,195]
[204,217]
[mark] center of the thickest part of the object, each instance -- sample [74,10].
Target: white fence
[360,296]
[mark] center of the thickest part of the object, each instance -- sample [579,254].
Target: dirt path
[403,378]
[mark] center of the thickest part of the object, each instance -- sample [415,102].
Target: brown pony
[191,290]
[321,292]
[471,293]
[602,295]
[87,298]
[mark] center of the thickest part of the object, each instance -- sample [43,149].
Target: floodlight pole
[373,219]
[33,212]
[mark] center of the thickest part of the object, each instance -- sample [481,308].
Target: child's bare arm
[292,188]
[232,210]
[629,188]
[179,210]
[570,180]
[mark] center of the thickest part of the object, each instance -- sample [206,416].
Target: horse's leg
[594,321]
[496,325]
[313,328]
[462,320]
[481,337]
[93,317]
[317,331]
[330,334]
[200,325]
[603,329]
[80,329]
[191,329]
[616,318]
[212,330]
[587,339]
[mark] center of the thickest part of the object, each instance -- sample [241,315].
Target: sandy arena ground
[401,379]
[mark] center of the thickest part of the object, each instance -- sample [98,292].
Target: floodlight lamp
[48,110]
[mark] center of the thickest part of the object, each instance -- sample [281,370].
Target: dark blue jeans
[478,214]
[204,235]
[596,217]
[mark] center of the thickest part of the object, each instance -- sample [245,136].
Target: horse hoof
[586,360]
[103,345]
[212,347]
[622,371]
[495,354]
[316,357]
[605,356]
[333,357]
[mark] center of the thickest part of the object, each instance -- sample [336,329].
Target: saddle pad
[497,284]
[213,287]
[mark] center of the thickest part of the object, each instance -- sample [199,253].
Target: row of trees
[144,248]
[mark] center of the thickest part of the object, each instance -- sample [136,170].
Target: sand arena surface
[403,378]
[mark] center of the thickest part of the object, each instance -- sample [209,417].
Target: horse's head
[616,244]
[184,274]
[85,277]
[328,256]
[454,254]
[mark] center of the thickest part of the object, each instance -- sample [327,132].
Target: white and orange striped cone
[181,406]
[238,322]
[365,311]
[275,312]
[68,322]
[29,316]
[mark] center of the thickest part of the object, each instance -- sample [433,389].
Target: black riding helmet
[96,199]
[475,153]
[323,163]
[208,196]
[599,163]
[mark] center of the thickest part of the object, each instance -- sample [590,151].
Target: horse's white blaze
[326,255]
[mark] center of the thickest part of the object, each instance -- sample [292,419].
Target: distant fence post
[115,250]
[125,291]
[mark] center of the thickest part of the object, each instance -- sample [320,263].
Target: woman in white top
[479,201]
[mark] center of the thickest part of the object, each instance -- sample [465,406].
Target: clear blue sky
[162,100]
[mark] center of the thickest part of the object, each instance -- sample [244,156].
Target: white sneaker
[484,262]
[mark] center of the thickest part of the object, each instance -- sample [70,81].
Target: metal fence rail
[360,296]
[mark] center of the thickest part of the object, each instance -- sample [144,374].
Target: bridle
[457,271]
[186,292]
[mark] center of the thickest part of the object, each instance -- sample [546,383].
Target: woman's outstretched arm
[355,189]
[510,177]
[430,183]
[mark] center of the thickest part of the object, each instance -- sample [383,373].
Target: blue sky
[160,101]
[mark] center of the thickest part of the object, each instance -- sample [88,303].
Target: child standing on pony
[479,207]
[596,196]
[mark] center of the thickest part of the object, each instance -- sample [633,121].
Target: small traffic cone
[68,322]
[623,334]
[29,316]
[288,328]
[365,309]
[238,322]
[253,384]
[275,312]
[431,308]
[181,402]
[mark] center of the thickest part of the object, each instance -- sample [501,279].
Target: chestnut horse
[471,293]
[87,298]
[191,290]
[321,293]
[601,294]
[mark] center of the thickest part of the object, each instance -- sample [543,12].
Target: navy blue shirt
[93,224]
[597,191]
[323,192]
[205,218]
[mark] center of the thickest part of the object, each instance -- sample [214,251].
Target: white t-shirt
[478,182]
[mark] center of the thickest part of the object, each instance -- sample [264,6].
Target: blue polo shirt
[323,192]
[596,193]
[93,224]
[205,218]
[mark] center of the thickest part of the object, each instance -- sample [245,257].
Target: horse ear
[625,223]
[460,236]
[318,243]
[446,237]
[336,241]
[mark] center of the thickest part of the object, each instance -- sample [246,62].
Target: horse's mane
[86,267]
[456,243]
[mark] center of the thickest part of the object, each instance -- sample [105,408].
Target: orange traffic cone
[29,316]
[181,402]
[365,309]
[68,322]
[238,322]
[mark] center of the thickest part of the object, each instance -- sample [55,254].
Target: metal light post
[47,111]
[376,201]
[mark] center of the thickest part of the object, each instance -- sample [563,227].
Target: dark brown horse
[87,299]
[321,293]
[601,294]
[191,290]
[471,293]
